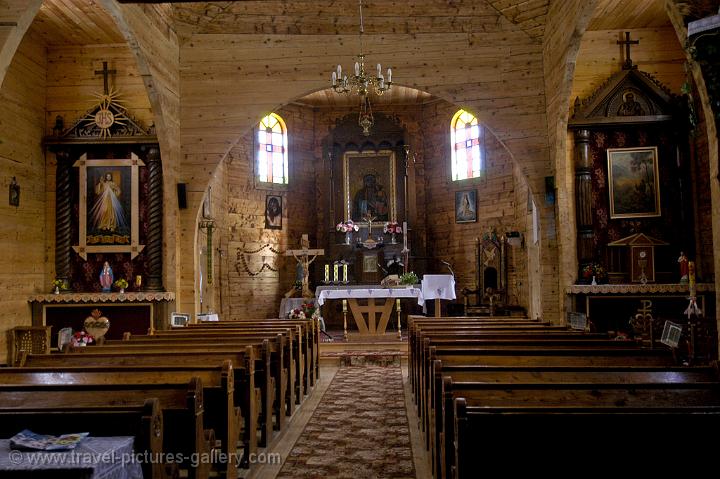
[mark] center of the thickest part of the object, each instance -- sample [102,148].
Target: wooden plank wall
[258,295]
[23,228]
[73,84]
[497,204]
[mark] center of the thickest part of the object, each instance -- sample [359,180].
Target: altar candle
[345,280]
[327,273]
[691,278]
[335,273]
[405,235]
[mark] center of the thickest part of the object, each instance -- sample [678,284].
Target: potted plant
[409,279]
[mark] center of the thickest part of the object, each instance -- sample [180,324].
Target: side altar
[134,312]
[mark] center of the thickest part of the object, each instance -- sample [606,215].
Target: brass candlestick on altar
[345,335]
[399,333]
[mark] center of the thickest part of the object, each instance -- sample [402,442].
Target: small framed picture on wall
[273,212]
[466,206]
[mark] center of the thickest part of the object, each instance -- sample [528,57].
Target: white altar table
[366,316]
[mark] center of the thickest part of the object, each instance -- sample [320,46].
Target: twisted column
[583,197]
[63,217]
[153,247]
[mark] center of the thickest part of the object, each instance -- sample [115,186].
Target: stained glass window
[272,150]
[466,138]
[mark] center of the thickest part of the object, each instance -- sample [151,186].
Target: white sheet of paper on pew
[208,317]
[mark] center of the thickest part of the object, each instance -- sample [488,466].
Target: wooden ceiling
[75,22]
[333,17]
[629,14]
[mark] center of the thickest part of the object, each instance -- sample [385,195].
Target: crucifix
[302,256]
[628,65]
[105,73]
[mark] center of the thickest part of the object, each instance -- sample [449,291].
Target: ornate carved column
[63,217]
[153,248]
[583,197]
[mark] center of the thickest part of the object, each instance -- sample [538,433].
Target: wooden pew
[422,364]
[547,375]
[273,395]
[310,332]
[647,442]
[301,349]
[558,395]
[284,369]
[243,365]
[144,422]
[219,412]
[181,405]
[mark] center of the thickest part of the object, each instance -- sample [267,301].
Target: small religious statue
[684,269]
[106,278]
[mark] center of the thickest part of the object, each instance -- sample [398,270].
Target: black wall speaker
[182,195]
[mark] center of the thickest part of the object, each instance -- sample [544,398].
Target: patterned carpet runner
[358,431]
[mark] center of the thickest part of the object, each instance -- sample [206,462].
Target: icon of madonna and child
[108,217]
[370,200]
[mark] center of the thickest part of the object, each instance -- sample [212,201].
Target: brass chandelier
[362,83]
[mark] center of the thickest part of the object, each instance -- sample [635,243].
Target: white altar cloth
[364,292]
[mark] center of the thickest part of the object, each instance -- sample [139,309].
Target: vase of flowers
[393,228]
[81,339]
[593,272]
[347,227]
[57,283]
[305,311]
[121,284]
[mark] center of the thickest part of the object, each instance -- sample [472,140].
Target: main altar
[365,314]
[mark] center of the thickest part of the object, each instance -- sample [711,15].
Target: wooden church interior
[557,160]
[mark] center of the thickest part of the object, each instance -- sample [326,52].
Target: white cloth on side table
[437,286]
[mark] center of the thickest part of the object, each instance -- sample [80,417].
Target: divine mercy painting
[108,199]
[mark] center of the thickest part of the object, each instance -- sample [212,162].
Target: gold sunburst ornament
[108,111]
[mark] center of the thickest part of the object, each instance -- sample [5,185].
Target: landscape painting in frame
[633,182]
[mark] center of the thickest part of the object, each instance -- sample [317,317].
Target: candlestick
[335,273]
[327,273]
[405,235]
[345,271]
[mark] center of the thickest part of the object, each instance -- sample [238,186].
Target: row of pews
[209,394]
[524,395]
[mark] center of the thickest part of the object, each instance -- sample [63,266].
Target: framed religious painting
[466,206]
[273,212]
[633,182]
[369,186]
[108,206]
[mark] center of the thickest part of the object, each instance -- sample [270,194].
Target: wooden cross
[628,65]
[105,72]
[302,257]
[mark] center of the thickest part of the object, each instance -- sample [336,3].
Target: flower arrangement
[58,283]
[121,283]
[347,226]
[81,338]
[594,269]
[392,227]
[409,278]
[305,311]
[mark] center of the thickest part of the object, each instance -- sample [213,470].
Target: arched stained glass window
[272,150]
[466,140]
